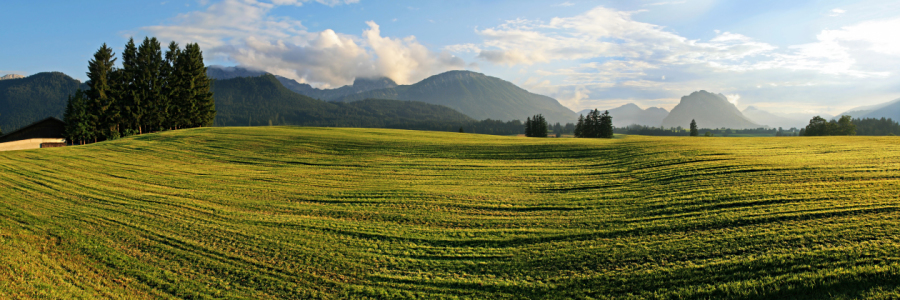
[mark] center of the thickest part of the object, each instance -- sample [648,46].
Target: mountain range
[760,116]
[631,114]
[476,95]
[709,110]
[248,97]
[890,109]
[473,94]
[263,100]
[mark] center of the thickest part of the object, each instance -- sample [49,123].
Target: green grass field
[305,213]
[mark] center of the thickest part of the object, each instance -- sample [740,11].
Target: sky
[798,56]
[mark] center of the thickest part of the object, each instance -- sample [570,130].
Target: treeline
[150,92]
[818,126]
[679,131]
[872,126]
[594,125]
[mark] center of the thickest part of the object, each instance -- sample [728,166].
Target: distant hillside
[476,95]
[33,98]
[763,117]
[709,110]
[359,85]
[890,109]
[263,100]
[630,114]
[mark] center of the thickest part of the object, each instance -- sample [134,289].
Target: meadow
[327,213]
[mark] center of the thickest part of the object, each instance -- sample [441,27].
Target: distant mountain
[34,98]
[263,100]
[763,117]
[803,116]
[890,109]
[11,76]
[359,85]
[476,95]
[630,114]
[709,110]
[222,72]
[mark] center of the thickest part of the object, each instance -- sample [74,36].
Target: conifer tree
[203,112]
[130,102]
[694,130]
[536,126]
[579,127]
[77,128]
[102,106]
[605,126]
[174,89]
[528,127]
[150,82]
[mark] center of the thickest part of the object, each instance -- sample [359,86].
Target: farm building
[41,134]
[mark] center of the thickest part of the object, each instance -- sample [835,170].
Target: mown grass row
[275,213]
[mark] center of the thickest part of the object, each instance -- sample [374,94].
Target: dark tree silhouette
[694,130]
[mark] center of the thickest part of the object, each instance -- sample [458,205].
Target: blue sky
[781,56]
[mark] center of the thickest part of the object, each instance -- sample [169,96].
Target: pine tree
[605,126]
[77,128]
[149,83]
[130,102]
[102,106]
[694,130]
[204,111]
[174,89]
[528,127]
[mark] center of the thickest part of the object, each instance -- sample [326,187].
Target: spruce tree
[694,130]
[103,111]
[528,127]
[605,125]
[204,110]
[150,83]
[77,128]
[174,89]
[130,102]
[579,127]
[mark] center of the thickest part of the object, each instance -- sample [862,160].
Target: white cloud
[836,12]
[606,54]
[733,98]
[665,3]
[245,32]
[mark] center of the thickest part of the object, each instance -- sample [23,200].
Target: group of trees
[872,126]
[150,92]
[536,126]
[594,125]
[818,126]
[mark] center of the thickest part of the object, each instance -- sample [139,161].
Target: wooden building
[41,134]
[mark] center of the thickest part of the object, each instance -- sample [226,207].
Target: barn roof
[49,128]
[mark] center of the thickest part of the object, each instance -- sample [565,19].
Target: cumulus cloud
[606,54]
[244,31]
